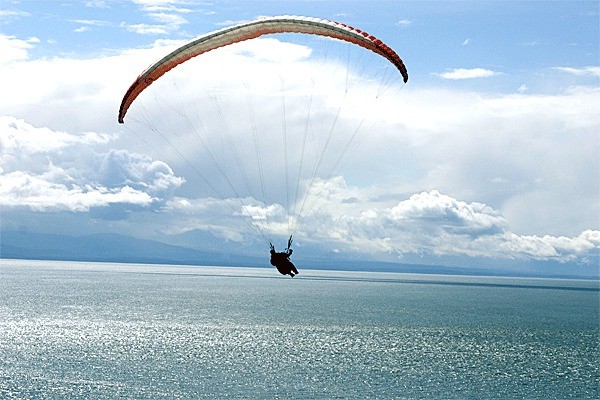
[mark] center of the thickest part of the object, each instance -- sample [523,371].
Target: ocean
[71,330]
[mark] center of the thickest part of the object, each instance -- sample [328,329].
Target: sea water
[107,331]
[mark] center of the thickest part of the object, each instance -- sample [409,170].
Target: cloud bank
[45,170]
[441,172]
[442,226]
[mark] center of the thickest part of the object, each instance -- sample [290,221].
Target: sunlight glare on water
[105,331]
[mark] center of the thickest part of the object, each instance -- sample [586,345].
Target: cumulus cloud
[468,73]
[19,189]
[425,224]
[14,49]
[239,220]
[18,137]
[47,170]
[437,224]
[119,167]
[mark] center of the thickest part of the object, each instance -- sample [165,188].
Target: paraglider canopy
[254,29]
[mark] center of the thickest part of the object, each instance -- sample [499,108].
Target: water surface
[105,331]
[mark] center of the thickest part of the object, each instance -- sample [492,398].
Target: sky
[489,154]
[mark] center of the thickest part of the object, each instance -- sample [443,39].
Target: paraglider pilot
[282,261]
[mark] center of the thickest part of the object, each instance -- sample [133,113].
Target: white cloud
[262,213]
[426,224]
[19,189]
[167,15]
[230,22]
[14,49]
[166,8]
[466,73]
[119,167]
[437,224]
[89,83]
[11,15]
[466,42]
[93,22]
[48,170]
[170,21]
[404,23]
[584,71]
[533,142]
[87,24]
[146,29]
[16,135]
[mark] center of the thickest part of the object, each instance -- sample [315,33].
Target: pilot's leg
[293,268]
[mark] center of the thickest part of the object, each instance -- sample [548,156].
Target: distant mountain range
[203,249]
[110,248]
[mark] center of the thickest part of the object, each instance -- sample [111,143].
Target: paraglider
[214,138]
[282,261]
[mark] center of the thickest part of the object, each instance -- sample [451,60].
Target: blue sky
[490,151]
